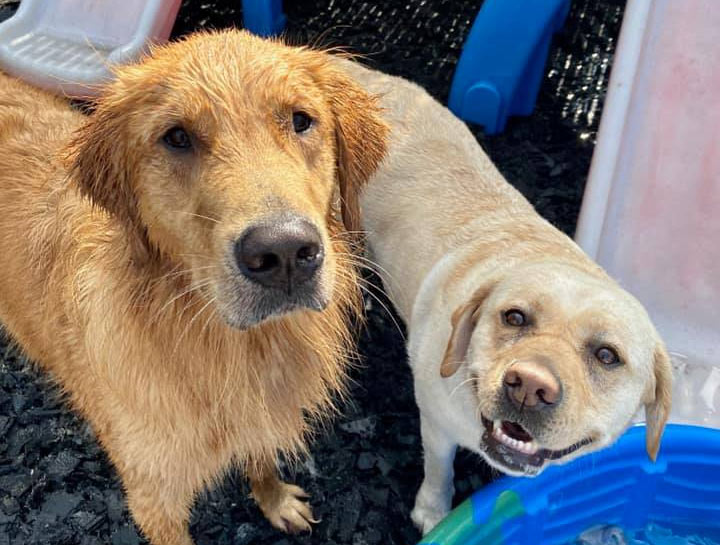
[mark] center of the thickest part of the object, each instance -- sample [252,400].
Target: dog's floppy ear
[657,408]
[361,137]
[101,157]
[100,164]
[463,322]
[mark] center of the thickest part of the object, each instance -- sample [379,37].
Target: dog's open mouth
[510,445]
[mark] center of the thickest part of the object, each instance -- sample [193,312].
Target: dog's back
[34,127]
[434,163]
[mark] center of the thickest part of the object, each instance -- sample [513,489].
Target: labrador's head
[228,155]
[560,361]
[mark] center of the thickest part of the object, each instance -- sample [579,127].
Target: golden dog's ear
[100,164]
[657,408]
[463,320]
[361,137]
[102,156]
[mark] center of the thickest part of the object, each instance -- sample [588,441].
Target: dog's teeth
[529,447]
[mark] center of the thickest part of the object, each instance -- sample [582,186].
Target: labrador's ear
[657,408]
[463,320]
[361,136]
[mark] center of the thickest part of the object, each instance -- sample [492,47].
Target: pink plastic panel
[661,233]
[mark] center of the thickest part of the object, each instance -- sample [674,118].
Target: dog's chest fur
[176,373]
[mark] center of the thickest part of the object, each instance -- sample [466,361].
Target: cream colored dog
[522,348]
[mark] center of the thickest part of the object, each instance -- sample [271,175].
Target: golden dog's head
[228,154]
[560,361]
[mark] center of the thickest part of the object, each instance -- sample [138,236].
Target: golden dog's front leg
[283,504]
[161,516]
[161,481]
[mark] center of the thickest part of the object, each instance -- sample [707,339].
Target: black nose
[282,254]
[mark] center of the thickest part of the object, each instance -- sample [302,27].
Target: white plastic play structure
[67,46]
[651,211]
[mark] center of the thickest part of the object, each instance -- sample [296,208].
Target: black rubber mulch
[56,486]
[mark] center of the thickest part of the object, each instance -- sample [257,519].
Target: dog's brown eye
[607,356]
[301,122]
[515,318]
[177,138]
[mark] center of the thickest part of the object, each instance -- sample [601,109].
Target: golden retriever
[522,348]
[175,260]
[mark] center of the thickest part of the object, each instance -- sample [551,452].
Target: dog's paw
[430,508]
[426,518]
[288,509]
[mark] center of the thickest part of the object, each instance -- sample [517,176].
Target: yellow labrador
[522,348]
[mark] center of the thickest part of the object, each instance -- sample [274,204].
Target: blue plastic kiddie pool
[617,486]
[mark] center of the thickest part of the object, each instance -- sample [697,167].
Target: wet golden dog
[175,262]
[522,348]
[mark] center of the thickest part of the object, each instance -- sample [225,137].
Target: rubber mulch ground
[56,486]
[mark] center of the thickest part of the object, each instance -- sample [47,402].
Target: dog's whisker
[207,322]
[370,283]
[190,323]
[367,286]
[369,264]
[197,314]
[174,273]
[349,232]
[201,256]
[345,259]
[194,301]
[371,286]
[463,383]
[188,291]
[193,214]
[387,310]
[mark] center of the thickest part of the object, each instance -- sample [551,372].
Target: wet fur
[97,290]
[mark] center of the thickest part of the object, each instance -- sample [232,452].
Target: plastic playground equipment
[68,46]
[619,486]
[503,60]
[651,211]
[263,17]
